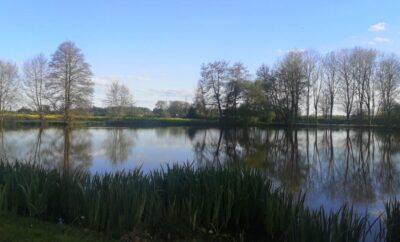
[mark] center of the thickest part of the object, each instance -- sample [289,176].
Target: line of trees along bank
[64,83]
[363,84]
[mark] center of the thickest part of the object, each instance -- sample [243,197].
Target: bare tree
[311,74]
[214,76]
[331,79]
[316,91]
[70,83]
[363,71]
[357,76]
[200,98]
[325,103]
[388,82]
[263,73]
[346,83]
[35,78]
[118,98]
[9,85]
[370,82]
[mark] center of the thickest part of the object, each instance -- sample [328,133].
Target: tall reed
[177,202]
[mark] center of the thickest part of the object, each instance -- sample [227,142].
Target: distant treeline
[178,109]
[303,86]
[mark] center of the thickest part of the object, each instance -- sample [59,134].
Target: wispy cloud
[377,27]
[379,40]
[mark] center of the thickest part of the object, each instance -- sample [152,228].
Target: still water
[332,166]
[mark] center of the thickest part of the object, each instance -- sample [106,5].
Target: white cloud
[377,27]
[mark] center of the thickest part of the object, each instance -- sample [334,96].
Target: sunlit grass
[13,115]
[80,119]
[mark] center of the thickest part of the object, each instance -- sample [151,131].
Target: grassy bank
[21,119]
[180,203]
[13,119]
[338,121]
[16,228]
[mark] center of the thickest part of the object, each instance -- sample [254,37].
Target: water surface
[332,166]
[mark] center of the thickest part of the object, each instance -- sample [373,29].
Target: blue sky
[157,47]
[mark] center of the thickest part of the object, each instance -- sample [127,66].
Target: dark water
[357,166]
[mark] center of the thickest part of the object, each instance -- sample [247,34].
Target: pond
[332,166]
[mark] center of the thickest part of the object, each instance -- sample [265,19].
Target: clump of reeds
[390,226]
[178,202]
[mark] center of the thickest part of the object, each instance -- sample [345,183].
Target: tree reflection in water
[353,165]
[67,149]
[349,165]
[118,144]
[52,148]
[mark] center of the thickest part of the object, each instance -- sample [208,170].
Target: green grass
[15,228]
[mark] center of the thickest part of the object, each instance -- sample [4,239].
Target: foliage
[255,105]
[172,109]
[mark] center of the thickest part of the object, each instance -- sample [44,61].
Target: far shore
[85,120]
